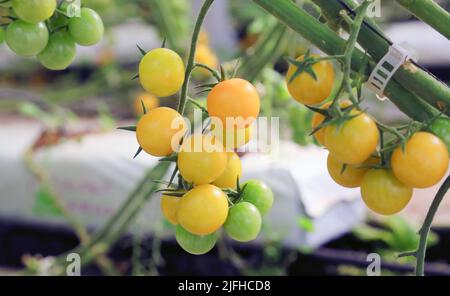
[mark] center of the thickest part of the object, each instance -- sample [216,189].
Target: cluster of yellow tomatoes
[208,195]
[419,162]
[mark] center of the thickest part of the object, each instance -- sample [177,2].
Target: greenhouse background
[65,163]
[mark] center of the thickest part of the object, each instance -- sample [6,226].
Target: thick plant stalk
[329,42]
[119,222]
[410,76]
[429,12]
[41,175]
[425,229]
[263,52]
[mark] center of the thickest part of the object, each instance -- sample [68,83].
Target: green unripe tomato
[87,29]
[26,39]
[441,128]
[243,222]
[258,194]
[59,53]
[195,244]
[34,11]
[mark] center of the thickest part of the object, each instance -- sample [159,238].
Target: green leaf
[44,204]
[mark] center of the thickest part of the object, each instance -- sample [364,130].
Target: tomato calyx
[235,195]
[334,115]
[303,66]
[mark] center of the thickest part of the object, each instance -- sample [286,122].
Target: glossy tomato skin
[201,159]
[353,141]
[244,222]
[34,11]
[59,52]
[259,194]
[232,172]
[232,137]
[352,175]
[195,244]
[319,118]
[26,39]
[87,29]
[423,163]
[160,131]
[169,208]
[161,72]
[203,209]
[149,100]
[235,99]
[383,193]
[441,128]
[305,89]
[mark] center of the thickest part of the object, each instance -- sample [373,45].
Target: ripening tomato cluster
[209,168]
[40,28]
[386,189]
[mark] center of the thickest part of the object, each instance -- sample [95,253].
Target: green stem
[425,229]
[42,176]
[119,222]
[431,13]
[328,41]
[355,28]
[410,76]
[190,62]
[211,70]
[263,52]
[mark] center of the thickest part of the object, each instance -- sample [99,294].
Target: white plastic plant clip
[386,68]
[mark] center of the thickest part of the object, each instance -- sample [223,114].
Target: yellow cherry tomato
[203,38]
[149,100]
[305,89]
[232,137]
[160,131]
[203,209]
[353,141]
[424,161]
[169,207]
[352,175]
[235,99]
[201,159]
[232,172]
[383,193]
[319,118]
[161,72]
[204,55]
